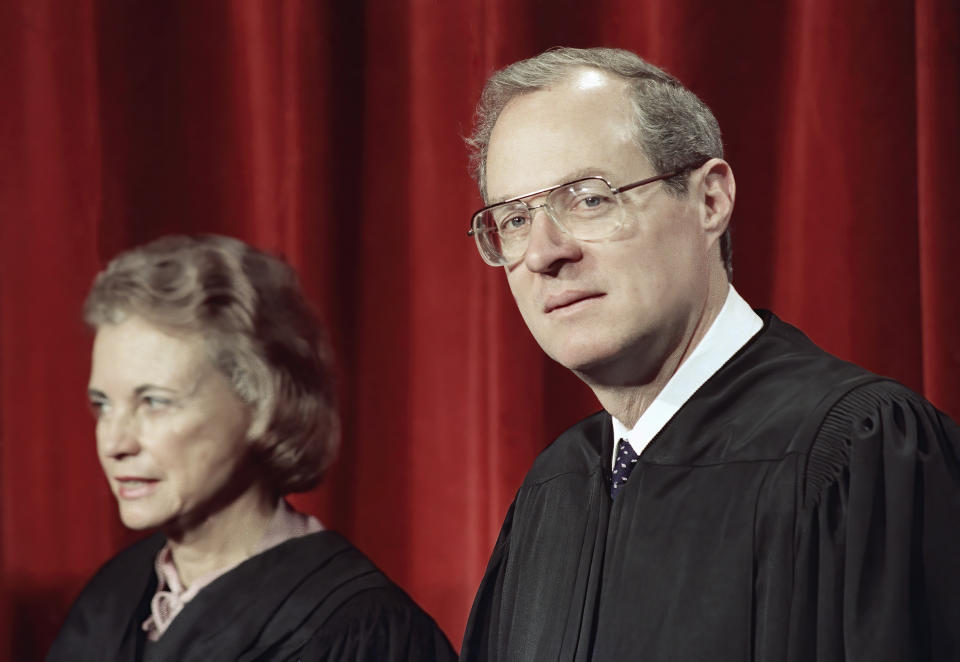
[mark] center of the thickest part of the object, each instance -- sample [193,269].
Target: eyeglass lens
[586,209]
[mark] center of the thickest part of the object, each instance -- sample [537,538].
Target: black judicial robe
[795,509]
[310,598]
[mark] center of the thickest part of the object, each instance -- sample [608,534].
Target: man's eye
[591,203]
[512,224]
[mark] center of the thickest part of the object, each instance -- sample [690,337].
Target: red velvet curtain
[331,132]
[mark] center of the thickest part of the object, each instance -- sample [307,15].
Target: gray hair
[259,331]
[673,127]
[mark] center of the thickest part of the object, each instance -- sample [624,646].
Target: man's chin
[583,361]
[613,368]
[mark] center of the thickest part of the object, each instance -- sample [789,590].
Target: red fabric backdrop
[331,132]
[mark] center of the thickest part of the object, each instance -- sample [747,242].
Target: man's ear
[717,190]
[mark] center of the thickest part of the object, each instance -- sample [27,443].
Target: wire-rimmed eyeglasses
[588,209]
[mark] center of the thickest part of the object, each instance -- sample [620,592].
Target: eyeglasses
[587,209]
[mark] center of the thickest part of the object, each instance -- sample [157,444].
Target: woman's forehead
[136,351]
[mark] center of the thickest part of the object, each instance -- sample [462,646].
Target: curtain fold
[938,143]
[331,133]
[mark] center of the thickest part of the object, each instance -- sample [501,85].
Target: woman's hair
[260,333]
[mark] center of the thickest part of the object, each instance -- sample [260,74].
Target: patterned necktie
[624,464]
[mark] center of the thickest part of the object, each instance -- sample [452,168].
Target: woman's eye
[155,402]
[98,408]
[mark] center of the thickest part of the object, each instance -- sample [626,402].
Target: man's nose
[118,435]
[550,246]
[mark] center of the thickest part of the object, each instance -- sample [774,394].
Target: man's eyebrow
[581,173]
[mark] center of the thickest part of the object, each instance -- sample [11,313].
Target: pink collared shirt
[172,595]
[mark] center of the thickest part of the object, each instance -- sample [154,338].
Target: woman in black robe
[213,399]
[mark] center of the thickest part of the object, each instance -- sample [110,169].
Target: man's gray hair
[673,127]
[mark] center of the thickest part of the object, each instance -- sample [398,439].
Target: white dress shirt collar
[734,326]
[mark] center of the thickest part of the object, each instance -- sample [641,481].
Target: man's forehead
[584,87]
[580,128]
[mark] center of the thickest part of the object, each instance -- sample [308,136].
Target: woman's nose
[117,435]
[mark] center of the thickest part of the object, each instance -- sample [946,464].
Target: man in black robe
[743,495]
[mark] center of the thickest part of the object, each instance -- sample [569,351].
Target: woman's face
[171,433]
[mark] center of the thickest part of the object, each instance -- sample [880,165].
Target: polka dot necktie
[624,464]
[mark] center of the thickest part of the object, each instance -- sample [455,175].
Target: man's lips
[565,299]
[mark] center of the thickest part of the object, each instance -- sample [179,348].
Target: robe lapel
[256,605]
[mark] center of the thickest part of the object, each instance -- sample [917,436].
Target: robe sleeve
[104,623]
[378,625]
[481,641]
[878,535]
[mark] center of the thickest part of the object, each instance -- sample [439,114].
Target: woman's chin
[139,519]
[138,523]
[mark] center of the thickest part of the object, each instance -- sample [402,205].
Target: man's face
[610,310]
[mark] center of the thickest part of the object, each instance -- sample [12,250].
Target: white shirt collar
[734,326]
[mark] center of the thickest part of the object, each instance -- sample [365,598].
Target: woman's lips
[133,487]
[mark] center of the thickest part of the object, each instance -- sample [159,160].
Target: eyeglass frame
[472,232]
